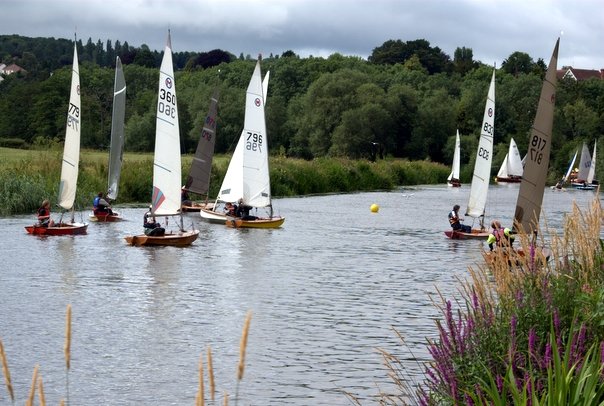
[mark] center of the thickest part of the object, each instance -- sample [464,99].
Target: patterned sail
[71,150]
[484,156]
[117,130]
[532,187]
[166,198]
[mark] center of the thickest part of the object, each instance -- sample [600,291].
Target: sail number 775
[536,151]
[253,141]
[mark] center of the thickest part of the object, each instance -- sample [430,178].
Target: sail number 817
[537,146]
[167,103]
[253,142]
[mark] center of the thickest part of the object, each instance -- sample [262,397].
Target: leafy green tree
[463,60]
[517,63]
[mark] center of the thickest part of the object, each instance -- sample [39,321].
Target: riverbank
[29,176]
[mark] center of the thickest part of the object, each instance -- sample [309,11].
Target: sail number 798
[537,146]
[253,142]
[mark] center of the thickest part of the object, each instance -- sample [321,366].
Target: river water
[325,291]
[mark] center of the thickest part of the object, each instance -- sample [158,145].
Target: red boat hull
[61,229]
[474,235]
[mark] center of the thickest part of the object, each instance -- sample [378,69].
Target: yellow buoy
[374,208]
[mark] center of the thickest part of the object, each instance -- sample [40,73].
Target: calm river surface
[325,291]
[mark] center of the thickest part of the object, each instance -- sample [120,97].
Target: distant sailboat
[565,178]
[587,170]
[453,179]
[71,159]
[512,166]
[198,181]
[116,149]
[166,197]
[482,171]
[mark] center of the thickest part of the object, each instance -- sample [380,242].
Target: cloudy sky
[494,29]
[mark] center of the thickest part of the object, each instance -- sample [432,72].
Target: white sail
[265,86]
[570,168]
[532,187]
[247,176]
[117,130]
[584,164]
[592,166]
[71,150]
[456,159]
[484,156]
[503,170]
[515,167]
[166,164]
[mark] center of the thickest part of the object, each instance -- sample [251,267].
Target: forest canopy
[408,97]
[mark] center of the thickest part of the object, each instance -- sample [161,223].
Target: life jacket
[453,219]
[95,202]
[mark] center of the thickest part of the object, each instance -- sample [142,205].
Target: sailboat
[70,165]
[565,178]
[587,170]
[482,171]
[532,186]
[116,148]
[247,180]
[199,176]
[512,166]
[166,162]
[453,179]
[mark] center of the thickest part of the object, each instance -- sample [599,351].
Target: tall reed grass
[33,177]
[200,396]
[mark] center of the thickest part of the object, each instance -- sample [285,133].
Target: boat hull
[513,179]
[105,217]
[62,229]
[197,207]
[213,216]
[273,222]
[474,235]
[174,240]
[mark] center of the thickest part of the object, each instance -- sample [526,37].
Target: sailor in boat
[184,197]
[455,221]
[151,226]
[44,219]
[100,205]
[230,209]
[243,211]
[500,237]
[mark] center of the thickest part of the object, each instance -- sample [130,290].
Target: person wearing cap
[455,221]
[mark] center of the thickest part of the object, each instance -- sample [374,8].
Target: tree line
[408,97]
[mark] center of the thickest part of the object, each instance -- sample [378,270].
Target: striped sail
[71,150]
[532,187]
[117,130]
[166,163]
[484,156]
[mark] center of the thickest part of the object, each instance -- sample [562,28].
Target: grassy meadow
[29,176]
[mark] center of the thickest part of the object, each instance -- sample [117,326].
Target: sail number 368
[253,142]
[167,103]
[537,146]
